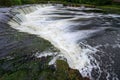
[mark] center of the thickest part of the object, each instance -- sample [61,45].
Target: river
[87,40]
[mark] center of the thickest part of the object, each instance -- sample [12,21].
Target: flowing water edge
[88,41]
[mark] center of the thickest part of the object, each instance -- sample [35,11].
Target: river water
[89,41]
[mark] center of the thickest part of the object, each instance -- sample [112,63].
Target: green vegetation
[97,2]
[19,2]
[106,5]
[10,2]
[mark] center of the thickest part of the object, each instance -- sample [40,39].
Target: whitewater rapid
[58,33]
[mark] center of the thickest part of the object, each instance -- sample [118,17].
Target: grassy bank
[113,8]
[110,8]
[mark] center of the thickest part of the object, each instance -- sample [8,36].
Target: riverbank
[113,8]
[110,8]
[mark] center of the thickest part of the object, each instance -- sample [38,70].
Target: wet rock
[65,73]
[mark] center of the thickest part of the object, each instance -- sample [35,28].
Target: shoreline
[114,9]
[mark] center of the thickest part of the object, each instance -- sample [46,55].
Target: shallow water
[88,41]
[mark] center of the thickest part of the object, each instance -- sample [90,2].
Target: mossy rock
[65,73]
[38,69]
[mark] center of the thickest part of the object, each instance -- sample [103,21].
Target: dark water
[18,48]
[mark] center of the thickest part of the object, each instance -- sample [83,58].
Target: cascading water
[65,28]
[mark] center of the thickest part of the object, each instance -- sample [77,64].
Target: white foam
[44,54]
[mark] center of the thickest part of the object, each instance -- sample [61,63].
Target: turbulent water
[88,41]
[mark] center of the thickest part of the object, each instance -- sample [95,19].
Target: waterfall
[38,20]
[32,20]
